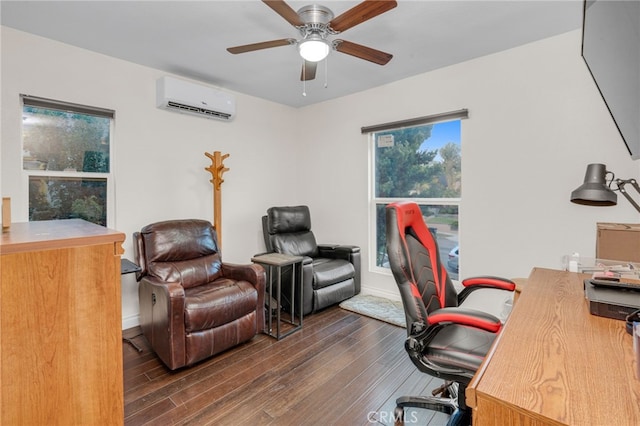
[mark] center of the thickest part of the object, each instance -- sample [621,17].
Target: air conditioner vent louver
[195,110]
[194,99]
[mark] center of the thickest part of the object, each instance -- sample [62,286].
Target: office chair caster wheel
[398,415]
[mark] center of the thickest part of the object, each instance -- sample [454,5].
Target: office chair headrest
[410,217]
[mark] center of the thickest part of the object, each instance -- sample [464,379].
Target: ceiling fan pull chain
[304,79]
[326,73]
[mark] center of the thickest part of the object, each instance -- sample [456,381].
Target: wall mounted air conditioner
[188,98]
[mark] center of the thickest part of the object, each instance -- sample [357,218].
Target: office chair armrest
[489,282]
[469,317]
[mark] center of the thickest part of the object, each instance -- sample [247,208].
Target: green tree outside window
[408,166]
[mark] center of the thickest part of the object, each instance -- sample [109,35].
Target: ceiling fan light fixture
[314,48]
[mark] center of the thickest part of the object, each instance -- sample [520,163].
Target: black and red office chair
[446,339]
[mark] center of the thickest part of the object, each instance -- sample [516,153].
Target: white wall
[159,160]
[536,121]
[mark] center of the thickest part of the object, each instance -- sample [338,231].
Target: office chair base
[460,418]
[457,417]
[442,405]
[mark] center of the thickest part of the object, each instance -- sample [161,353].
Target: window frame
[109,177]
[374,201]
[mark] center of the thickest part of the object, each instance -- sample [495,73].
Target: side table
[128,267]
[277,261]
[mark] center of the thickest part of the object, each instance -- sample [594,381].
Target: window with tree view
[66,156]
[422,164]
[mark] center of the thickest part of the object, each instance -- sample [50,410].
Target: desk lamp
[596,192]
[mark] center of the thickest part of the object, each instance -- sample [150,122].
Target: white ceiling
[189,38]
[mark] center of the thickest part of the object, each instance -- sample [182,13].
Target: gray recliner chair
[331,273]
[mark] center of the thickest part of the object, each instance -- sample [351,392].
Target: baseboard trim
[380,293]
[130,321]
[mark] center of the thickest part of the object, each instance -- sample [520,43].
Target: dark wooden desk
[554,363]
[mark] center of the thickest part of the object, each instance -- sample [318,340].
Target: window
[66,151]
[418,160]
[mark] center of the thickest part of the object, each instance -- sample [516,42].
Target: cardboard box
[618,241]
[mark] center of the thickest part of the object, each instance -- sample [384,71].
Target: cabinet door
[61,336]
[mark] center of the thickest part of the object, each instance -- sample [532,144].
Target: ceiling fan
[316,23]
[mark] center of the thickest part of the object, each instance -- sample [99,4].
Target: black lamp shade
[594,191]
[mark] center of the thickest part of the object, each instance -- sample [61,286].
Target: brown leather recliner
[192,305]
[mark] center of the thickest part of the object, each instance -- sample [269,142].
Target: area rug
[382,309]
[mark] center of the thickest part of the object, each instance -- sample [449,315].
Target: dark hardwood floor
[340,369]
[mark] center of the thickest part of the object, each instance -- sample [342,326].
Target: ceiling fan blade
[308,71]
[362,52]
[360,13]
[284,10]
[261,45]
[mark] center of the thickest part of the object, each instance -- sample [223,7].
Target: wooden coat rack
[217,169]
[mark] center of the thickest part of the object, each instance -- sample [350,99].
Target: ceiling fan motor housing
[316,19]
[315,14]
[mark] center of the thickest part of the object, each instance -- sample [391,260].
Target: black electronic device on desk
[626,285]
[611,301]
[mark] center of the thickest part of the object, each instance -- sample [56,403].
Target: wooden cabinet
[60,324]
